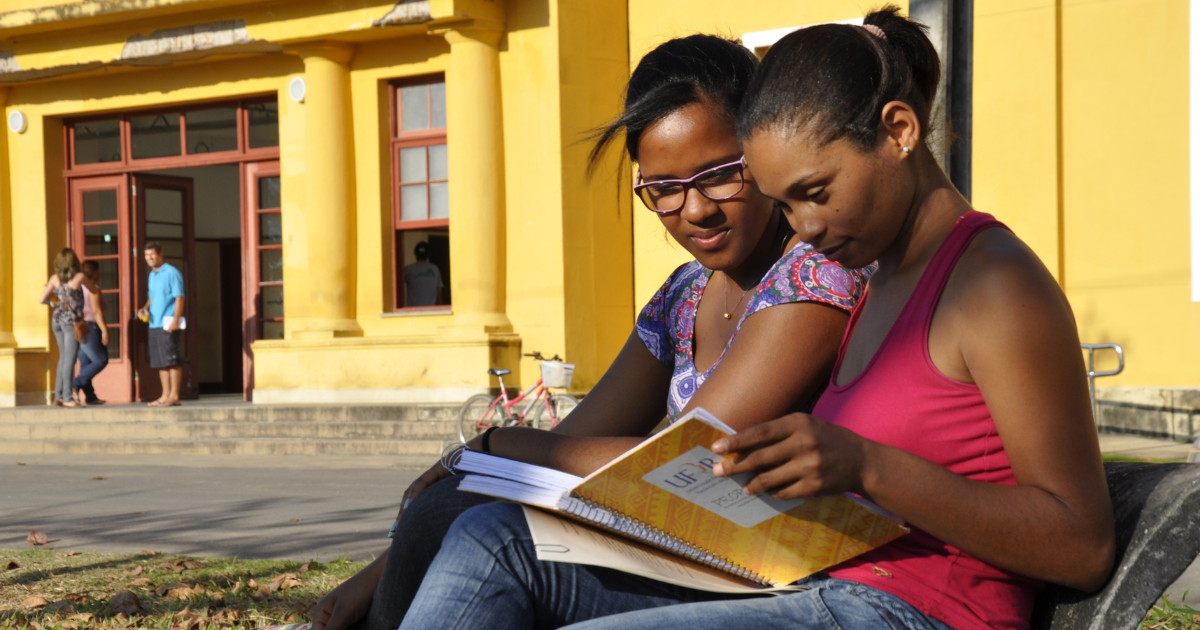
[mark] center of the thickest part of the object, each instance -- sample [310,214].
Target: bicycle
[482,411]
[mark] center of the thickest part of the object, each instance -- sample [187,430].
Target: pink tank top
[903,400]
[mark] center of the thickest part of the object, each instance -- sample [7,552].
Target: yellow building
[291,155]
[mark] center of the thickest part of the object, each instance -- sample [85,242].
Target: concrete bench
[1157,512]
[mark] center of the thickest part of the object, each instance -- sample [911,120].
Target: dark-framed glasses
[717,183]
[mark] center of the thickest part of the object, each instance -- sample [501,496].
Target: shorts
[164,349]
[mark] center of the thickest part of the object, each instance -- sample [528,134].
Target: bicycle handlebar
[538,355]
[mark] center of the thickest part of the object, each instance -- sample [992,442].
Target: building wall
[1081,146]
[566,248]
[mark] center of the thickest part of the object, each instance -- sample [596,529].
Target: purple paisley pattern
[667,322]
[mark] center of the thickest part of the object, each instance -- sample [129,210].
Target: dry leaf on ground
[78,598]
[37,538]
[11,565]
[147,552]
[284,582]
[137,571]
[68,554]
[141,582]
[99,478]
[125,603]
[34,601]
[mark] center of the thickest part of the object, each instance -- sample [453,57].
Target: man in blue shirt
[164,309]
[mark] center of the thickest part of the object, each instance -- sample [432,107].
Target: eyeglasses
[717,183]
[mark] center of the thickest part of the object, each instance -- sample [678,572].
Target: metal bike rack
[1092,374]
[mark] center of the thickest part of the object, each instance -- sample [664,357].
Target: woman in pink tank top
[958,401]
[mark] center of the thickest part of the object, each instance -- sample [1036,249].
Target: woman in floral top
[679,128]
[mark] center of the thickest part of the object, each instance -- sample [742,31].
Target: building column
[7,340]
[328,193]
[476,152]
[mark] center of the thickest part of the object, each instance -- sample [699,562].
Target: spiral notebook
[663,494]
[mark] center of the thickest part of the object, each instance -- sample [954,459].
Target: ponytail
[832,80]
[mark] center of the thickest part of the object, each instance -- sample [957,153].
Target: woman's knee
[493,525]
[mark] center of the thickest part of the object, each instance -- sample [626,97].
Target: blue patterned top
[667,324]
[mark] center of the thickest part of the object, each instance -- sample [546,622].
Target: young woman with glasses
[958,401]
[749,330]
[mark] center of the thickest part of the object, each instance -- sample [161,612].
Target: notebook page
[562,540]
[504,468]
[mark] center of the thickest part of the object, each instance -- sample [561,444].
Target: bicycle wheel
[560,406]
[477,414]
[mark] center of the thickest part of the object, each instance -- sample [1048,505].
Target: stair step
[422,452]
[415,430]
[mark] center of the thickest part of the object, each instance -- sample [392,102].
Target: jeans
[415,543]
[487,575]
[93,357]
[68,348]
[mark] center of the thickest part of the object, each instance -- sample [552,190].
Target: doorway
[203,183]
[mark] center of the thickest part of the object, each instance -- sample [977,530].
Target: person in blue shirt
[165,303]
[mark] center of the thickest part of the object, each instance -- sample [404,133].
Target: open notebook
[663,494]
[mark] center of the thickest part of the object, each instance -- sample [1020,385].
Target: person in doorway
[423,279]
[164,310]
[93,350]
[64,291]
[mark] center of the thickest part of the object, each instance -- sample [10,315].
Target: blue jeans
[93,357]
[487,576]
[68,348]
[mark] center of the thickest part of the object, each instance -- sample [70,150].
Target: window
[169,139]
[420,194]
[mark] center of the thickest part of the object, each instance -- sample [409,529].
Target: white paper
[167,319]
[690,477]
[562,540]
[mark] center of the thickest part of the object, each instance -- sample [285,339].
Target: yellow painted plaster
[1126,206]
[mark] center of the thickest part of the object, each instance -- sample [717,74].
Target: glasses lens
[662,197]
[721,183]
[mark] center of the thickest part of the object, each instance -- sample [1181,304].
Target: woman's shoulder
[803,274]
[679,280]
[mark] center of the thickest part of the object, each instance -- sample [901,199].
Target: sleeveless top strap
[933,281]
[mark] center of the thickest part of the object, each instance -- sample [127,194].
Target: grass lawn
[51,590]
[45,589]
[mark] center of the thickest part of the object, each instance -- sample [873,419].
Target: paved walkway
[1145,448]
[282,507]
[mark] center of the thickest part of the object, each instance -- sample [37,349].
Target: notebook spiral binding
[606,518]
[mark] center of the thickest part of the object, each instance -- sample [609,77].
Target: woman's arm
[48,293]
[770,369]
[1013,335]
[98,313]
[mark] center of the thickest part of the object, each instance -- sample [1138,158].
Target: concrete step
[413,434]
[424,450]
[231,430]
[242,412]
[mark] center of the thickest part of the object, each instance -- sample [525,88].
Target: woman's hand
[435,474]
[795,456]
[104,336]
[351,600]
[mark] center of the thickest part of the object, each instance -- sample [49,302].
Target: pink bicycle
[482,411]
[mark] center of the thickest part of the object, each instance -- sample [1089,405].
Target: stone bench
[1157,512]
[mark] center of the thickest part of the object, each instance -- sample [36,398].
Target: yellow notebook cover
[667,484]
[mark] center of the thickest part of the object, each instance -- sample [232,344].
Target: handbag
[81,331]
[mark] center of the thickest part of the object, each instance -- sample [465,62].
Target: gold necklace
[727,314]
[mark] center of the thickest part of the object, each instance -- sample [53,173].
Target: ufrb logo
[689,473]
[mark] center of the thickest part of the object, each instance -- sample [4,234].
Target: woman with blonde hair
[64,291]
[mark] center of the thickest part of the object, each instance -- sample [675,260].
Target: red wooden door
[100,231]
[162,213]
[262,251]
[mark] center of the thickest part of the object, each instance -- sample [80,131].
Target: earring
[905,149]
